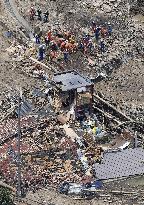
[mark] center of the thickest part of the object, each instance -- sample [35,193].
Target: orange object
[67,34]
[52,55]
[49,35]
[62,46]
[103,32]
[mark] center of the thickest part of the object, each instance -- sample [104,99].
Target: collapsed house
[69,144]
[73,91]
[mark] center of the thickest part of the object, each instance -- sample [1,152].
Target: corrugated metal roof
[70,80]
[121,164]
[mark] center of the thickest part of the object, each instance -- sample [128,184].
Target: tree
[5,196]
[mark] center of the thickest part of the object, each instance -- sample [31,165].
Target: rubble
[80,108]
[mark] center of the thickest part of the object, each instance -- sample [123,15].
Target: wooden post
[75,103]
[91,100]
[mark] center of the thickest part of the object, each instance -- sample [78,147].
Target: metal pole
[18,149]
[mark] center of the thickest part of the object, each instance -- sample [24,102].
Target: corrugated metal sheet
[26,107]
[121,164]
[70,80]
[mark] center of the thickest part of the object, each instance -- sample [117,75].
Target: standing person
[32,13]
[90,45]
[39,12]
[93,26]
[66,56]
[52,54]
[46,15]
[53,46]
[37,39]
[63,45]
[97,33]
[81,46]
[49,35]
[46,41]
[109,29]
[41,52]
[104,32]
[86,39]
[102,46]
[85,49]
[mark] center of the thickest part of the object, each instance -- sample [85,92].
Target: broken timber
[107,115]
[10,112]
[42,64]
[114,108]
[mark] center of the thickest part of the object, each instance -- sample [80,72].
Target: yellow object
[72,40]
[94,130]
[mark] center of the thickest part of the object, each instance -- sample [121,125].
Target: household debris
[65,145]
[66,129]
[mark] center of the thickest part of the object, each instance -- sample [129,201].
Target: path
[10,4]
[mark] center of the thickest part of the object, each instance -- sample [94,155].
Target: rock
[106,8]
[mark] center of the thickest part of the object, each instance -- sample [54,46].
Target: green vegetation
[5,196]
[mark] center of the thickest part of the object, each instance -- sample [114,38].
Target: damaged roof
[70,80]
[123,163]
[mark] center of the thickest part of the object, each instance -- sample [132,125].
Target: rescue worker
[54,46]
[66,56]
[41,52]
[32,13]
[46,15]
[47,41]
[93,26]
[90,45]
[102,46]
[39,12]
[49,35]
[103,32]
[72,39]
[109,29]
[97,33]
[37,39]
[81,46]
[52,54]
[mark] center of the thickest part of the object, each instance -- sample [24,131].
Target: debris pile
[78,73]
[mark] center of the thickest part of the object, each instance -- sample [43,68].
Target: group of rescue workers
[38,13]
[59,42]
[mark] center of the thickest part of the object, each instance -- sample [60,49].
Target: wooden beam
[42,64]
[114,108]
[107,115]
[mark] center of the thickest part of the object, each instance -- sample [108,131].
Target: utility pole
[18,147]
[135,140]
